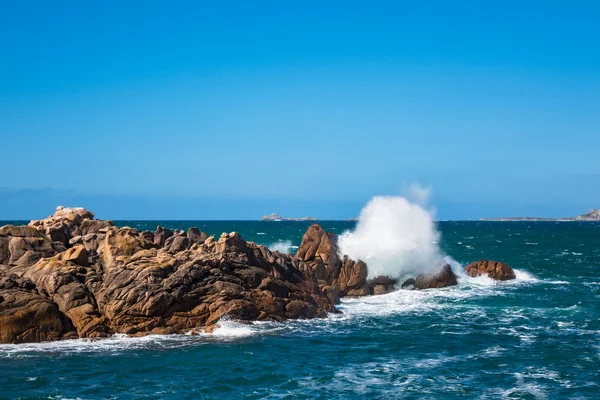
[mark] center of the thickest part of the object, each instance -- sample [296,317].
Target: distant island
[276,217]
[593,215]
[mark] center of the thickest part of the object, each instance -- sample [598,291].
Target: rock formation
[72,276]
[494,269]
[337,277]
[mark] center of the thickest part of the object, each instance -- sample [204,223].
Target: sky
[232,110]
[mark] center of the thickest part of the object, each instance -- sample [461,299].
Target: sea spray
[282,246]
[395,237]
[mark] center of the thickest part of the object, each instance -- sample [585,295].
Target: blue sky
[231,110]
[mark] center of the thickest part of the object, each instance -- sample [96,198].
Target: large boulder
[27,316]
[494,269]
[436,278]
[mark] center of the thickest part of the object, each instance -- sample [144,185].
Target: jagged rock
[494,269]
[161,235]
[121,281]
[196,236]
[66,223]
[440,279]
[318,244]
[319,253]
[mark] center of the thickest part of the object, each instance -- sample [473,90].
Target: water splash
[394,236]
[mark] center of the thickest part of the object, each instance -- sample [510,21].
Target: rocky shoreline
[72,276]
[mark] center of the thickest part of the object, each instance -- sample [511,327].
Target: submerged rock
[436,279]
[494,269]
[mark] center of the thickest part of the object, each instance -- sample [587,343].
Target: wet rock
[494,269]
[436,279]
[382,285]
[408,284]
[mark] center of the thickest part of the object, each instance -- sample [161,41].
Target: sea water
[536,337]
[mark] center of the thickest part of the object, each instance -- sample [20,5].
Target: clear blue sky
[237,109]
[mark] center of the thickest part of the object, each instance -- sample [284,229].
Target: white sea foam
[283,246]
[394,236]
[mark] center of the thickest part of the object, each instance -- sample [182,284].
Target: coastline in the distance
[592,215]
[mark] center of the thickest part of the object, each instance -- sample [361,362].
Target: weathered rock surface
[67,223]
[494,269]
[120,280]
[337,277]
[436,279]
[25,245]
[27,316]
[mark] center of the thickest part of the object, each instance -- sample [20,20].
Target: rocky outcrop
[441,278]
[67,223]
[336,277]
[494,269]
[108,280]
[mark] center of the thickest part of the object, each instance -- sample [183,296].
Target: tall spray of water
[394,236]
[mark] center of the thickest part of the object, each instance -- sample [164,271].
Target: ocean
[537,337]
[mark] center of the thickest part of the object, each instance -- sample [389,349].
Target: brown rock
[77,255]
[494,269]
[24,245]
[64,224]
[316,243]
[319,253]
[26,316]
[196,236]
[443,278]
[120,281]
[161,235]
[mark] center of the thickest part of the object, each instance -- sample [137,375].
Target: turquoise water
[537,337]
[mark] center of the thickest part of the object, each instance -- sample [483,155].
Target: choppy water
[537,337]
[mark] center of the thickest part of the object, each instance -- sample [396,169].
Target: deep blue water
[537,337]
